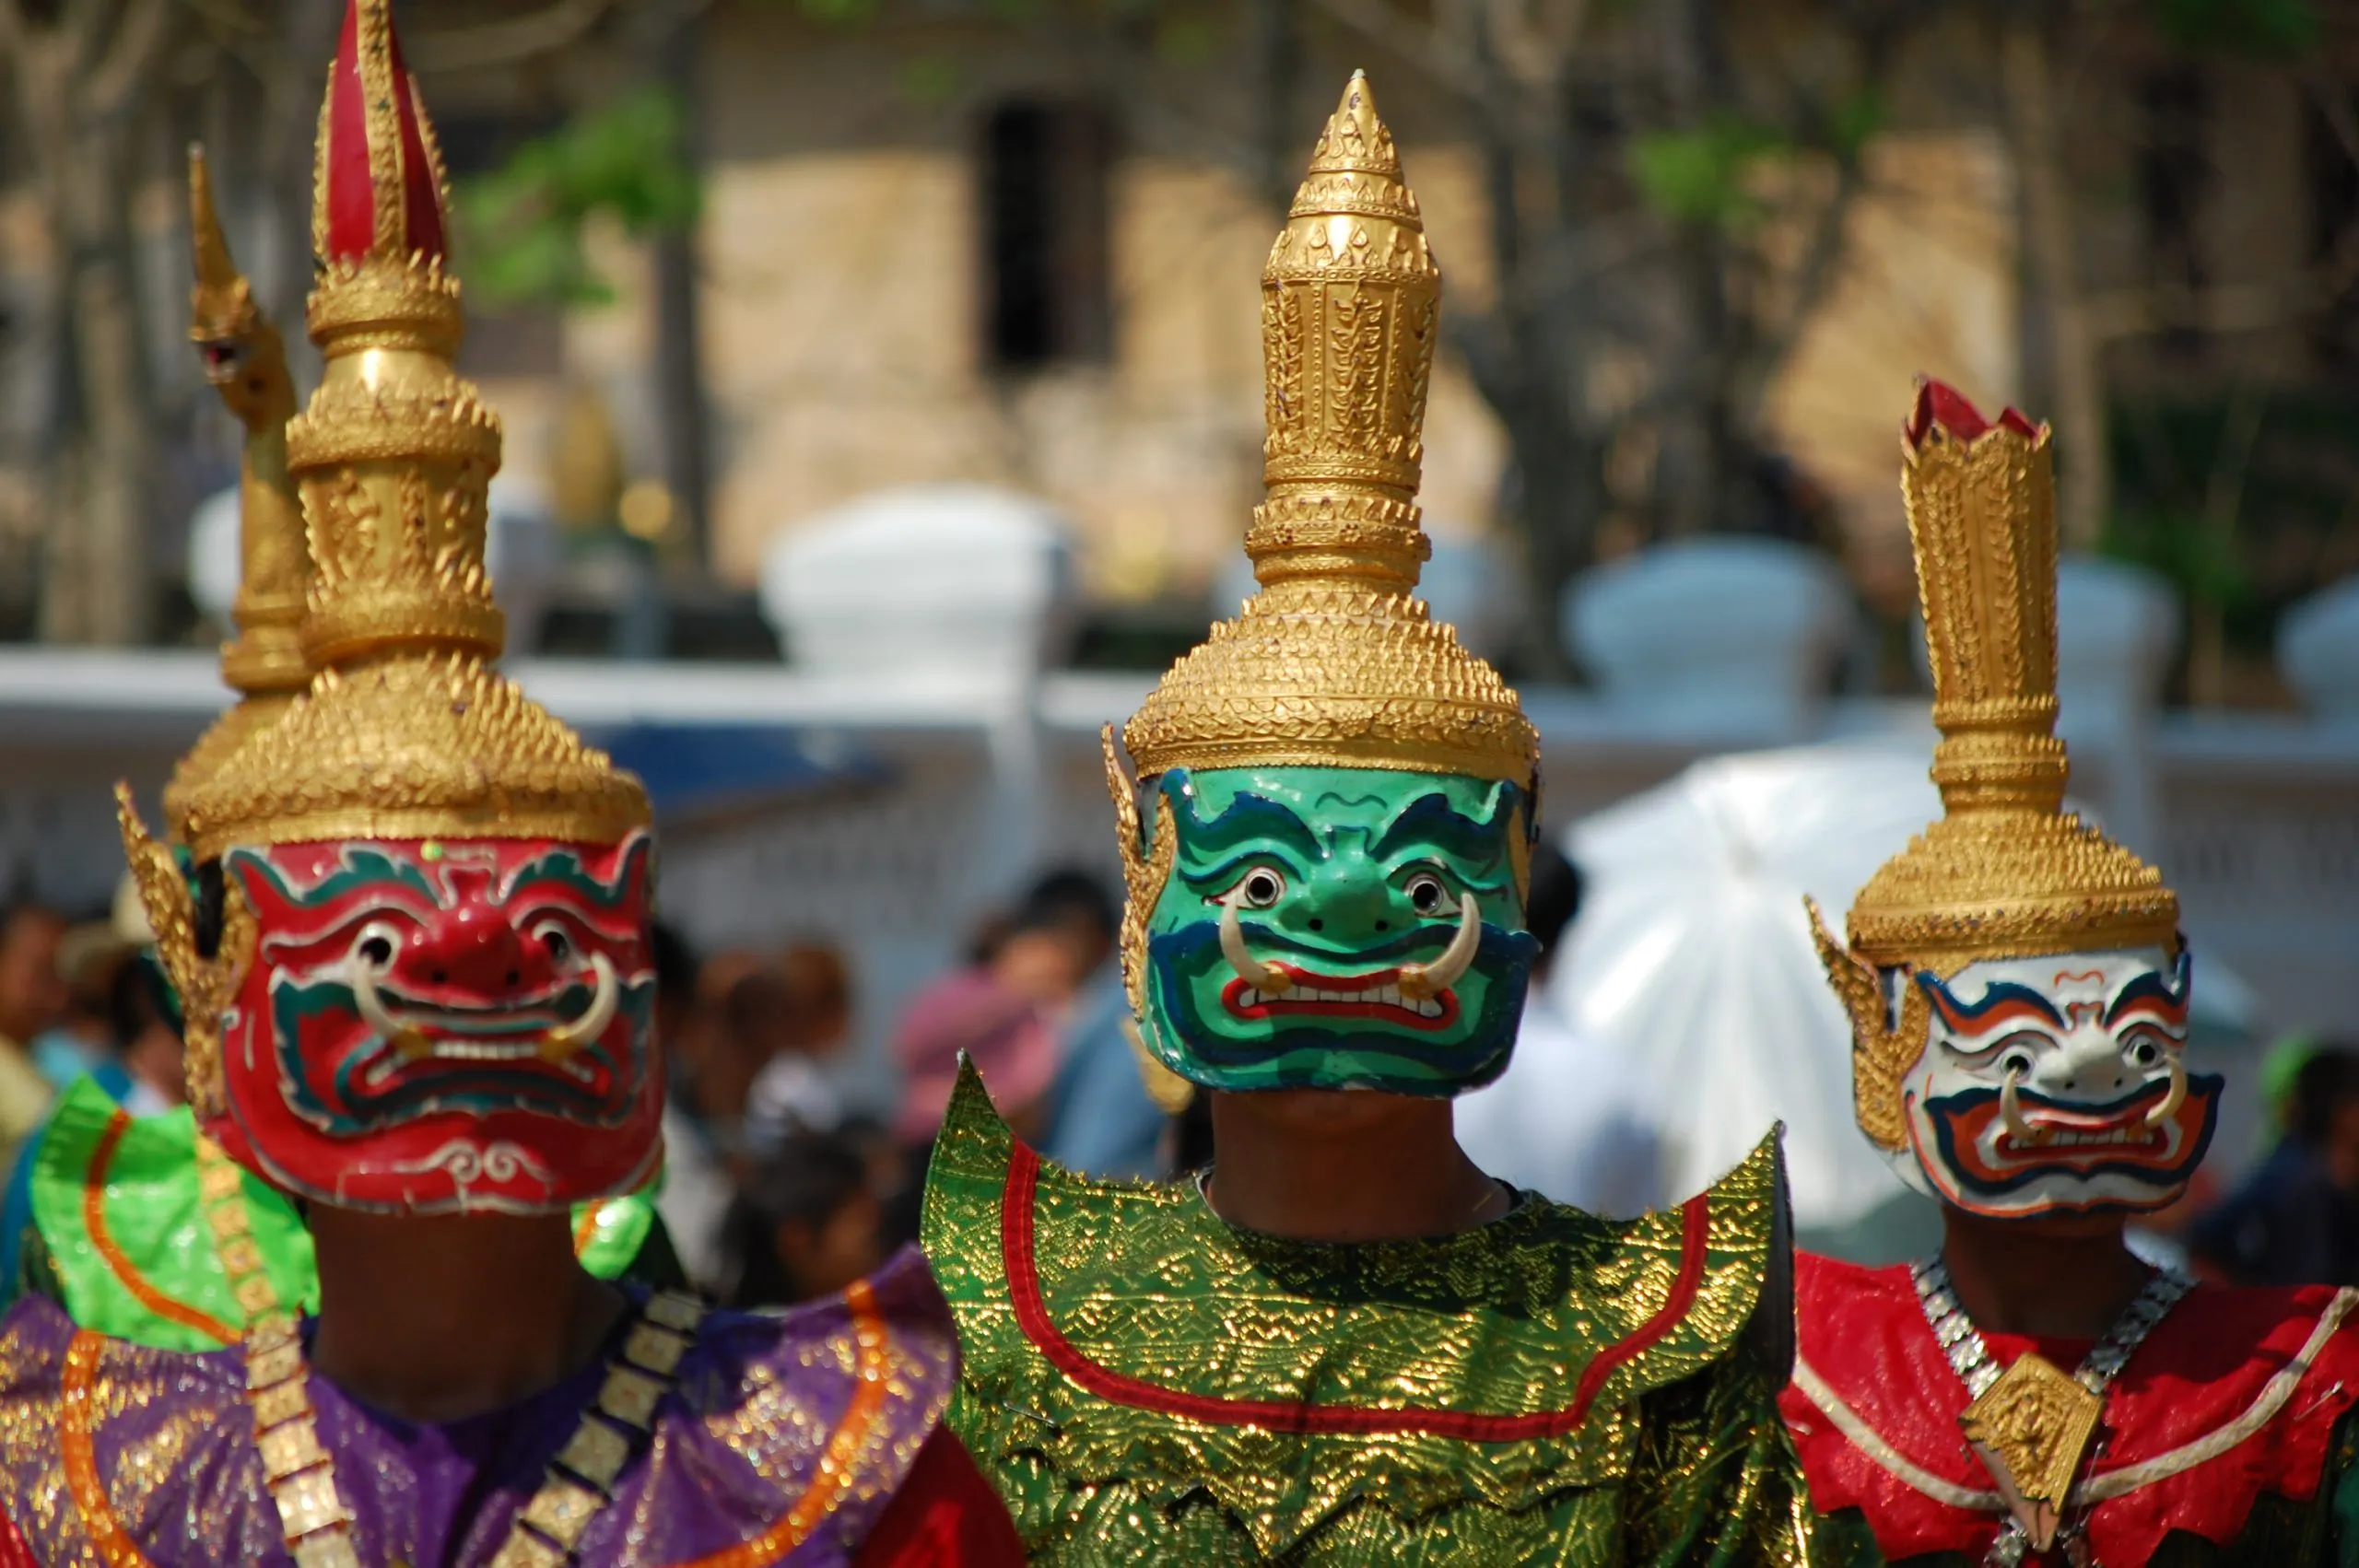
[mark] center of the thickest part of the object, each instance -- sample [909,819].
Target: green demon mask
[1334,928]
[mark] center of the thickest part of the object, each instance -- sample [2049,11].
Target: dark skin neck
[437,1319]
[2067,1278]
[1315,1164]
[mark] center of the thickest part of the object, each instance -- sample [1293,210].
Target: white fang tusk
[403,1038]
[1432,979]
[1267,978]
[567,1038]
[2010,1114]
[2175,1098]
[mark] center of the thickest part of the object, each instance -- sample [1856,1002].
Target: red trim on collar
[1021,1266]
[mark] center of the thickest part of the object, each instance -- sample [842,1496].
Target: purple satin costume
[167,1440]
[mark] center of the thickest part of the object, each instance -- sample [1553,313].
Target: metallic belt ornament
[2031,1425]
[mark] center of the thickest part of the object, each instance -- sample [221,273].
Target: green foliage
[1853,122]
[1701,176]
[523,220]
[2266,28]
[2199,559]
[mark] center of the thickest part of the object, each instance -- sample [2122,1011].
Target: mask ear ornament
[206,986]
[1881,1055]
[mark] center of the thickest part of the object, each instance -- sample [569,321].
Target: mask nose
[471,949]
[1351,907]
[2088,1070]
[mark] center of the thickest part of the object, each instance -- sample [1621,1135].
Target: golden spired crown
[403,732]
[1336,662]
[2006,873]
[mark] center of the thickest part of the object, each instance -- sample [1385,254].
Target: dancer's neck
[437,1319]
[2065,1278]
[1318,1164]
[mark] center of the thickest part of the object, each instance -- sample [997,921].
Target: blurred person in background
[2295,1219]
[792,1094]
[696,1190]
[33,996]
[146,1070]
[805,1224]
[1570,1118]
[1007,1008]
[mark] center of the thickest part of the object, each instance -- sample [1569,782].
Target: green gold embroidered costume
[1148,1384]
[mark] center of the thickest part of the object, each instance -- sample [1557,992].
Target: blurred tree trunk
[2076,368]
[83,73]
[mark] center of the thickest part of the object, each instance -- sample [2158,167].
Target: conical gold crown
[2006,872]
[1336,662]
[403,732]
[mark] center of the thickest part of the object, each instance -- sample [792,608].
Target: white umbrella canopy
[1692,955]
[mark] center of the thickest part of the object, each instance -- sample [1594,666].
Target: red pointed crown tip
[1941,404]
[351,186]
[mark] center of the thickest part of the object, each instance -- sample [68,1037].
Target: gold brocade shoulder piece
[1120,1333]
[1336,662]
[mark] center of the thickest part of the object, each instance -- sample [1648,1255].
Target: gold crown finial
[1349,300]
[2006,873]
[395,453]
[246,362]
[1334,663]
[403,732]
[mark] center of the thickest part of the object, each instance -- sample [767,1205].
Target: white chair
[926,578]
[2317,650]
[1732,638]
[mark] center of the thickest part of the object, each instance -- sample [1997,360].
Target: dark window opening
[2174,180]
[2333,168]
[1046,295]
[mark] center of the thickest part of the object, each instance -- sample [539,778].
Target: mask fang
[567,1038]
[2175,1098]
[1431,980]
[1268,978]
[2010,1114]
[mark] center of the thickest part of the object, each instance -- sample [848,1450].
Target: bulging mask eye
[2143,1050]
[376,948]
[2015,1063]
[552,937]
[1427,893]
[1261,888]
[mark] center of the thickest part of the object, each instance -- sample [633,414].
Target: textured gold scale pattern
[1146,1281]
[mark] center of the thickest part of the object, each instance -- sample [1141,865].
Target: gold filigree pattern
[1511,1320]
[206,986]
[403,732]
[2032,1429]
[1336,662]
[2006,872]
[246,363]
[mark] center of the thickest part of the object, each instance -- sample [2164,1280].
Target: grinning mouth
[426,1034]
[1371,996]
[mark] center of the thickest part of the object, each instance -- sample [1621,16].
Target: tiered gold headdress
[404,733]
[247,364]
[1334,663]
[2006,873]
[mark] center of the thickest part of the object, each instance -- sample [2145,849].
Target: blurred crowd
[778,1190]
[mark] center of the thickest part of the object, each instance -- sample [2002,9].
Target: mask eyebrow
[2003,1002]
[1432,819]
[1248,817]
[2167,1000]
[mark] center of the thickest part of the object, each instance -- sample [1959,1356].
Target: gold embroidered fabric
[1680,1442]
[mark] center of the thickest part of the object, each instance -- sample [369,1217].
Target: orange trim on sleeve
[874,1362]
[79,1453]
[118,1262]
